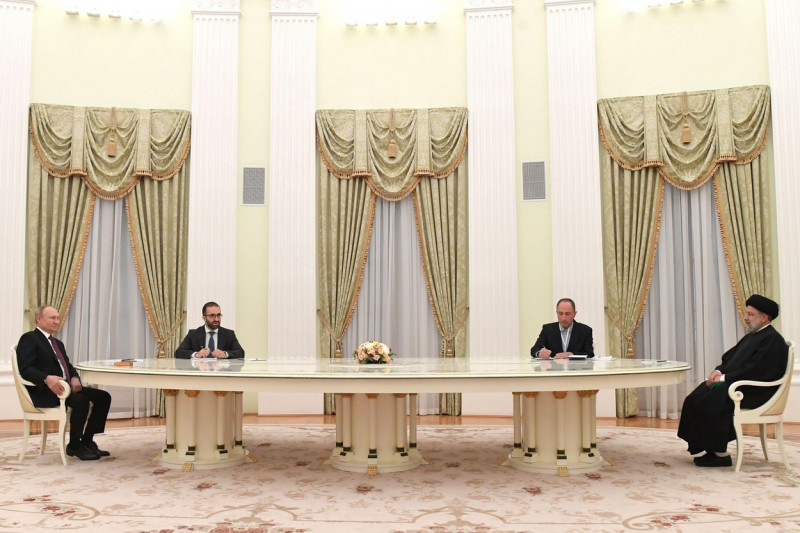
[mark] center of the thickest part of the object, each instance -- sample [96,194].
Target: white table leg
[222,453]
[529,416]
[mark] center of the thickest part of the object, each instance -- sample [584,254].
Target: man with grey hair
[43,360]
[707,415]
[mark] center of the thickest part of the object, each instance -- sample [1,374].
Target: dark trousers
[80,403]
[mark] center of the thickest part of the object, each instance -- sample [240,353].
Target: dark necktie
[211,345]
[62,361]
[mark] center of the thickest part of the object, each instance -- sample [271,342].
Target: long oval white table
[554,404]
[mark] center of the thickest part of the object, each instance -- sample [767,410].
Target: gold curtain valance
[649,131]
[109,148]
[356,143]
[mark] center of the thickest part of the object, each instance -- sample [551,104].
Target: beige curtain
[686,139]
[346,211]
[78,153]
[391,154]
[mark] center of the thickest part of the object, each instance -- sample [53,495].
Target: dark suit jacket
[759,356]
[580,340]
[37,360]
[196,340]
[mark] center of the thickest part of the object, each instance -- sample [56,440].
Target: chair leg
[44,437]
[62,427]
[762,430]
[739,445]
[779,438]
[26,432]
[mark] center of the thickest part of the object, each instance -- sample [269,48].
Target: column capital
[568,3]
[294,7]
[23,3]
[488,5]
[216,7]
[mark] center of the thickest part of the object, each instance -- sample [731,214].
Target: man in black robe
[707,414]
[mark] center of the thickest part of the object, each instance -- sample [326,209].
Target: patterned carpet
[649,485]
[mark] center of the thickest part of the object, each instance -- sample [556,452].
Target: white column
[211,273]
[493,281]
[575,163]
[783,51]
[291,268]
[16,34]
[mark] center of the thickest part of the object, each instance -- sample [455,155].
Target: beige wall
[100,62]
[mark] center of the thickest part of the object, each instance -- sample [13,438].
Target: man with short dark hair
[559,340]
[707,414]
[210,339]
[43,360]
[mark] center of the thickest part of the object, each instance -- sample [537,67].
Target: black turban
[764,304]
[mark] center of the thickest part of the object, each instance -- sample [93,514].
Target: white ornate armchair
[769,413]
[45,414]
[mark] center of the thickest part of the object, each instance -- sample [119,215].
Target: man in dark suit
[559,340]
[43,360]
[210,340]
[707,414]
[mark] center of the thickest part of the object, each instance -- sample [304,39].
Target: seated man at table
[210,339]
[43,360]
[559,340]
[707,414]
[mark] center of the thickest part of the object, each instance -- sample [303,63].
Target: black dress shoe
[703,458]
[93,446]
[714,460]
[83,453]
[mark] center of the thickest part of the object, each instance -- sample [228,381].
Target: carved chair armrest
[737,395]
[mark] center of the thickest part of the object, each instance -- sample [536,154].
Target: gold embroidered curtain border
[447,348]
[74,141]
[108,151]
[725,125]
[642,300]
[72,284]
[362,261]
[356,144]
[150,312]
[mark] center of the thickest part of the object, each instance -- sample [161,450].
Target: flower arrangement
[373,352]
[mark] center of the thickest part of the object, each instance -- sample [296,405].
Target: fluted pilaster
[16,33]
[211,271]
[291,310]
[574,161]
[783,49]
[493,280]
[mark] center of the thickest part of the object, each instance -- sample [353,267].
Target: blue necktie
[211,341]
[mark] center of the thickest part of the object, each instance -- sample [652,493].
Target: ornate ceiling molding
[217,7]
[567,3]
[294,7]
[488,5]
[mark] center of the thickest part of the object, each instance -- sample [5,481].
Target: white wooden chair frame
[44,414]
[769,413]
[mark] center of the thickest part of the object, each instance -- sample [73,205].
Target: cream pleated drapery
[79,153]
[684,139]
[391,154]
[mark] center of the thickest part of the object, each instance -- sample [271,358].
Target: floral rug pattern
[650,484]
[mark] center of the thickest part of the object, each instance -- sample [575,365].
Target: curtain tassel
[112,147]
[392,143]
[112,144]
[686,134]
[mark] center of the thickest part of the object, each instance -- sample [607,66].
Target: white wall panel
[493,277]
[213,164]
[574,162]
[16,33]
